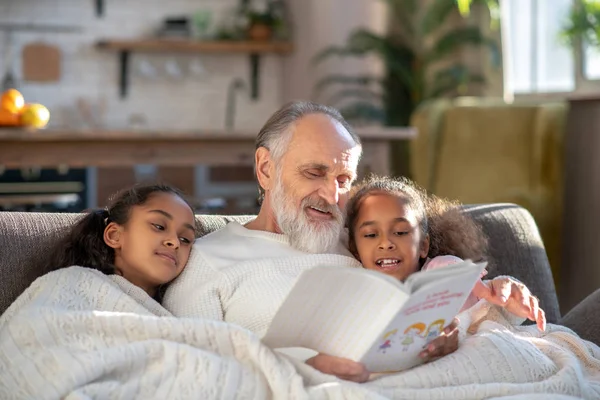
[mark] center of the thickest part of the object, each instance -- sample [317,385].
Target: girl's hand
[444,344]
[341,367]
[513,295]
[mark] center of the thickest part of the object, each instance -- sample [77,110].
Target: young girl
[145,235]
[396,228]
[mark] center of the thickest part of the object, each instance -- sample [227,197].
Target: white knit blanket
[77,334]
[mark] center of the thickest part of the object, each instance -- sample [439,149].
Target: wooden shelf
[196,46]
[16,134]
[23,148]
[254,49]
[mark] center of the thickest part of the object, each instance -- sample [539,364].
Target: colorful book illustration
[370,317]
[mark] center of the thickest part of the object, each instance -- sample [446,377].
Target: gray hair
[276,134]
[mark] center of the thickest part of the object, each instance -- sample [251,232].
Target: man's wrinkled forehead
[322,136]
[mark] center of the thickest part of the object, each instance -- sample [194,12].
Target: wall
[192,102]
[322,23]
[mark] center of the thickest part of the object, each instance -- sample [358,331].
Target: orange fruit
[8,118]
[35,115]
[12,100]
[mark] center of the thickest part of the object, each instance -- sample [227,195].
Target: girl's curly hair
[450,230]
[453,232]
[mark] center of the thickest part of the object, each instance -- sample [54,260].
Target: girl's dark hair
[84,244]
[450,230]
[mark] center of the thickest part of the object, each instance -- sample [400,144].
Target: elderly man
[306,161]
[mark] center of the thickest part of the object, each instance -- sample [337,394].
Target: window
[535,60]
[591,65]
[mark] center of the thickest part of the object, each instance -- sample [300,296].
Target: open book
[370,317]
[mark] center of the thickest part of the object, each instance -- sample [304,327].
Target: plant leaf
[583,23]
[464,7]
[404,11]
[361,111]
[359,43]
[329,80]
[396,56]
[451,79]
[436,14]
[360,93]
[457,38]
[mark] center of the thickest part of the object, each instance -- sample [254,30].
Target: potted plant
[418,52]
[262,24]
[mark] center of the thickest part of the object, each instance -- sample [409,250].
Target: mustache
[319,203]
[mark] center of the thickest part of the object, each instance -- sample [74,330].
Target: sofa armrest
[584,318]
[516,249]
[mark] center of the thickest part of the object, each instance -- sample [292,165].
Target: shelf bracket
[99,8]
[254,75]
[123,73]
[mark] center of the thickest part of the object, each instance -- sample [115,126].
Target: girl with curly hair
[395,227]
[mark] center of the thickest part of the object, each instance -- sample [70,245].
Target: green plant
[583,23]
[266,18]
[417,53]
[270,16]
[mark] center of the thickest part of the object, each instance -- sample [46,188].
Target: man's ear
[264,168]
[112,235]
[424,247]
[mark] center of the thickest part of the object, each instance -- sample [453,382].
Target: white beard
[305,234]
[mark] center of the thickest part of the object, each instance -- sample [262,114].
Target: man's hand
[341,367]
[513,295]
[444,344]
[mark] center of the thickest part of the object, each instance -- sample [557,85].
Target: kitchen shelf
[253,48]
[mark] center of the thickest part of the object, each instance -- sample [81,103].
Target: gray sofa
[515,249]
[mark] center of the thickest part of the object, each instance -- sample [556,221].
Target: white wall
[321,23]
[193,102]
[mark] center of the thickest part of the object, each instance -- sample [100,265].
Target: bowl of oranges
[15,113]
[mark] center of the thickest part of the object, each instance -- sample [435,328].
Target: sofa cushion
[515,248]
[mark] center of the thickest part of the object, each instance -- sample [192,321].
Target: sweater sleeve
[196,293]
[443,261]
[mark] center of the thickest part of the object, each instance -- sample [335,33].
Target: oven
[44,190]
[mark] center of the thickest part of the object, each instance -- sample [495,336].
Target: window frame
[582,84]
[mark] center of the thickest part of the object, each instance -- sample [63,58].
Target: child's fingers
[444,344]
[541,319]
[502,289]
[537,314]
[481,290]
[342,368]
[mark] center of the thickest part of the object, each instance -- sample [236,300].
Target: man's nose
[330,192]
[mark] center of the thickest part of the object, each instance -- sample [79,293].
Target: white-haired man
[306,161]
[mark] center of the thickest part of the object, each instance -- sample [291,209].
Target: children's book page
[336,310]
[421,319]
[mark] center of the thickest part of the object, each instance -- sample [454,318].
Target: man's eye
[159,227]
[312,174]
[344,182]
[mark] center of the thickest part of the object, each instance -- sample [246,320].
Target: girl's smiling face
[387,235]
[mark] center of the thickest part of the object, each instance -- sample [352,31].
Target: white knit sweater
[242,276]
